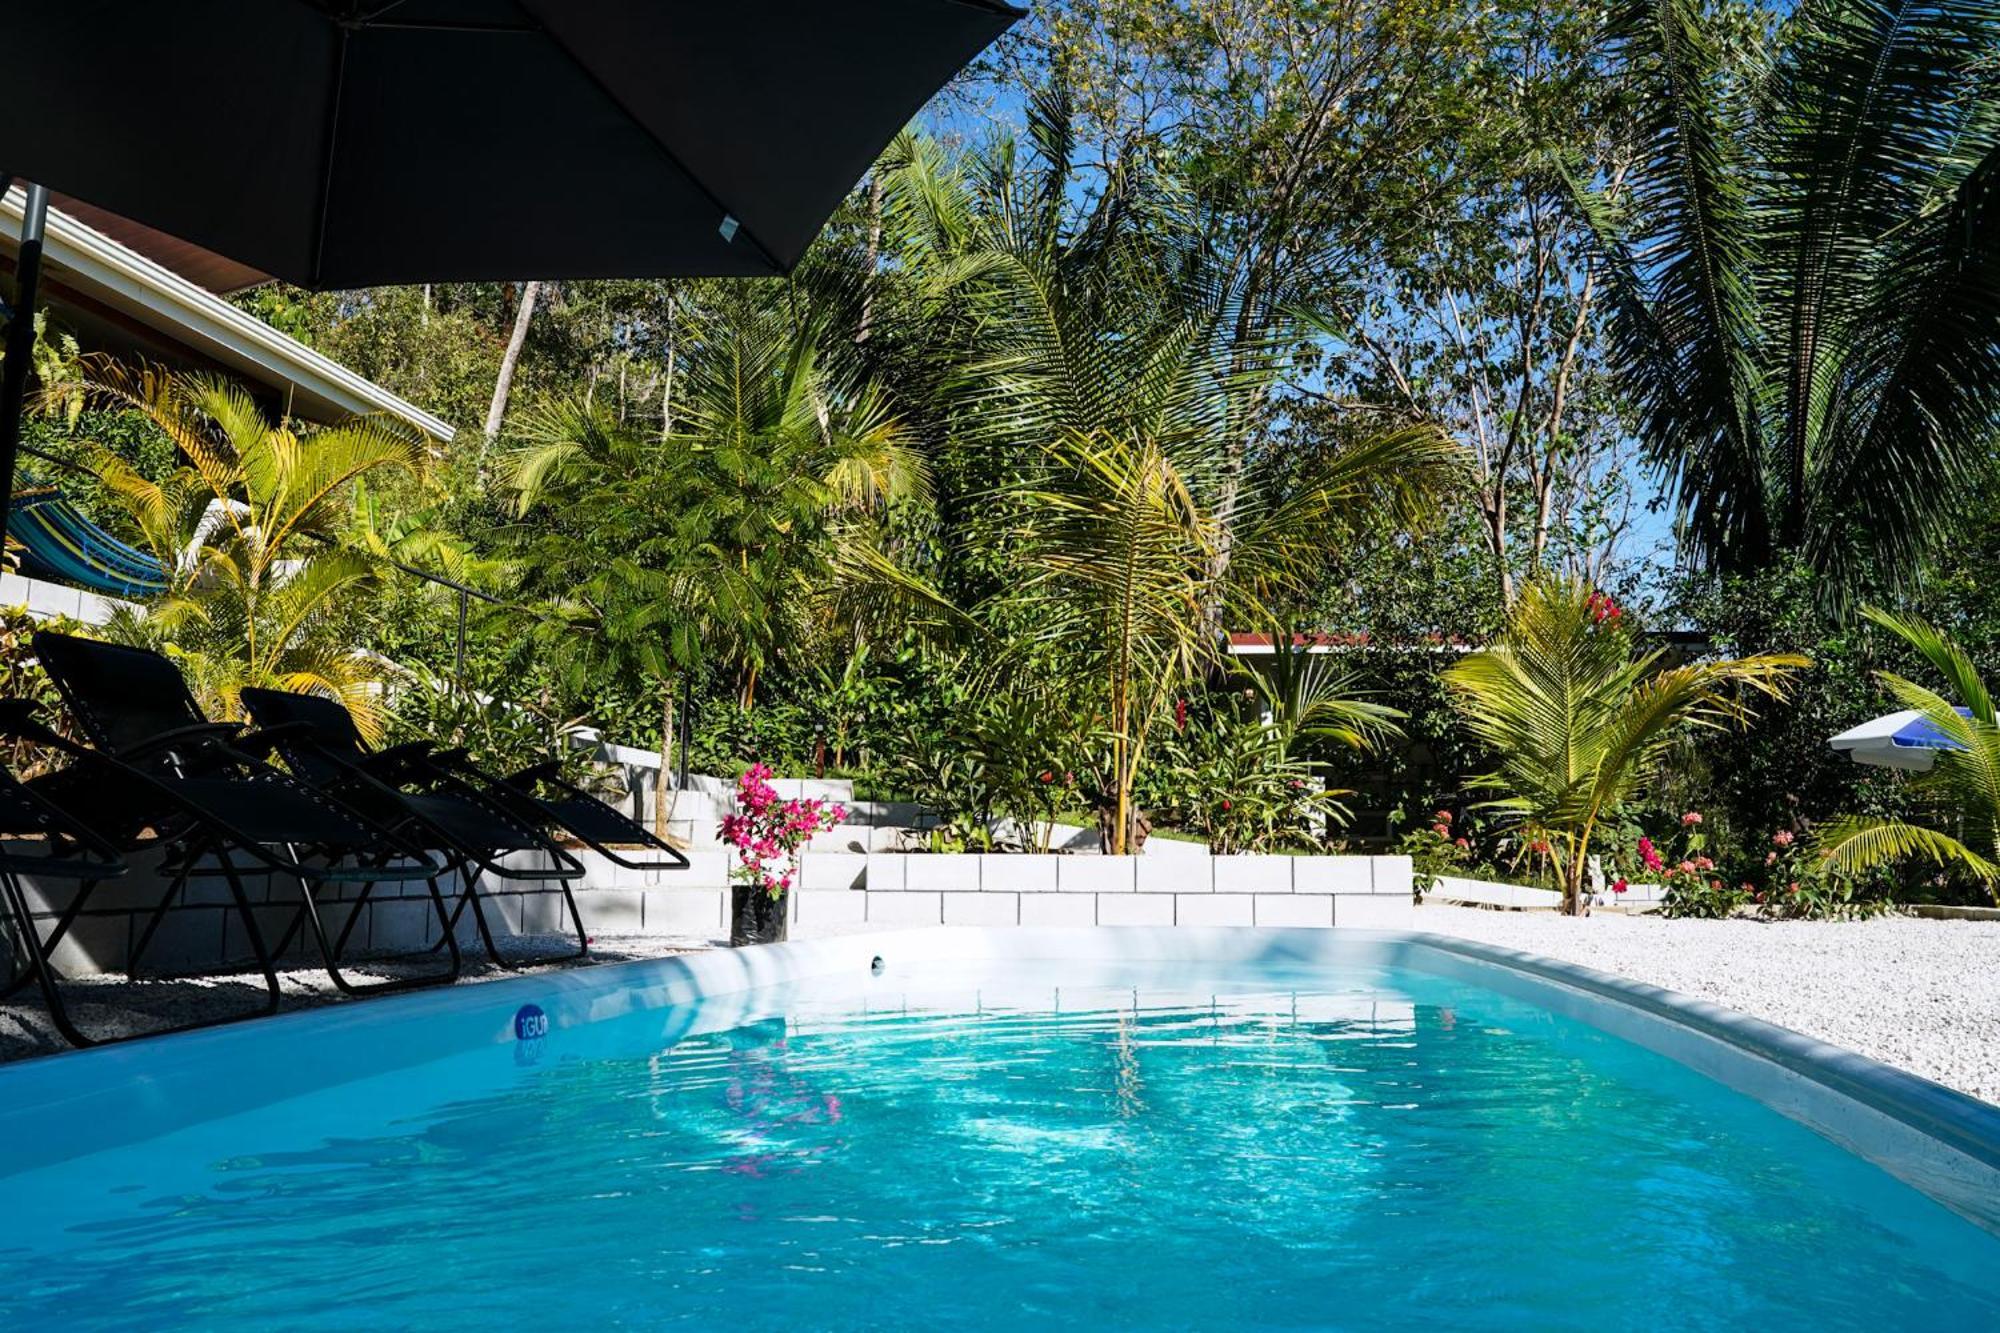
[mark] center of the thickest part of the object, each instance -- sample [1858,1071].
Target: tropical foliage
[1393,332]
[1111,387]
[1962,787]
[1578,715]
[259,589]
[1805,285]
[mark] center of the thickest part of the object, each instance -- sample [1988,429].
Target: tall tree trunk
[504,385]
[666,755]
[873,257]
[667,385]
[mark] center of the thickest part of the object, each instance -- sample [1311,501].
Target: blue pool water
[1240,1148]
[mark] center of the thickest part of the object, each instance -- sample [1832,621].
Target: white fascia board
[82,257]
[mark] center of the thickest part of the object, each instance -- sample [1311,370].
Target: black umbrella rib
[326,161]
[723,210]
[1000,7]
[424,25]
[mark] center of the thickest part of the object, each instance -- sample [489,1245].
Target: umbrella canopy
[1904,740]
[350,143]
[357,143]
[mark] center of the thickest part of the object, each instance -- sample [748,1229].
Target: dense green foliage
[1413,328]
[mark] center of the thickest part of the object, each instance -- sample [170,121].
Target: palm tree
[1579,719]
[1313,697]
[247,528]
[1964,781]
[1806,283]
[719,539]
[1097,370]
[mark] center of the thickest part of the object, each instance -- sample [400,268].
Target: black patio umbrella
[354,143]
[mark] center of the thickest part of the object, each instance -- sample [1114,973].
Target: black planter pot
[755,917]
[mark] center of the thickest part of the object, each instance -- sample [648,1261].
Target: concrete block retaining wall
[840,892]
[837,893]
[1521,897]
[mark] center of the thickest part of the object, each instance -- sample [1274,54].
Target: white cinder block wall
[844,892]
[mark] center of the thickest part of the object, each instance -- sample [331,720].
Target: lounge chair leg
[353,917]
[459,867]
[69,915]
[243,909]
[576,917]
[44,972]
[159,915]
[469,876]
[330,958]
[38,959]
[449,941]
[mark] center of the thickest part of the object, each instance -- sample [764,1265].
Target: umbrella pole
[20,339]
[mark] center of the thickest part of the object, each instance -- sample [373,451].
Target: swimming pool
[1140,1128]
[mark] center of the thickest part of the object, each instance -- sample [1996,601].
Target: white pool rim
[1939,1141]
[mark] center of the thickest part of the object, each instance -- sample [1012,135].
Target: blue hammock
[58,542]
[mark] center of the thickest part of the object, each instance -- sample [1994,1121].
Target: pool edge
[1940,1141]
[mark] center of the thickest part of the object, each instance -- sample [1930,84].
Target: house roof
[114,297]
[1259,645]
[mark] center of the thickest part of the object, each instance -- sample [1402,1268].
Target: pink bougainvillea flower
[1649,854]
[767,833]
[1619,886]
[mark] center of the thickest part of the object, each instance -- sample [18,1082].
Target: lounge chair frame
[319,741]
[172,768]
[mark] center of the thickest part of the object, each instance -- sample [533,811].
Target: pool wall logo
[531,1027]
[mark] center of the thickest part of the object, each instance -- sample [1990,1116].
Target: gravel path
[1922,995]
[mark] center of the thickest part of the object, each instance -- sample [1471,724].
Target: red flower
[1619,885]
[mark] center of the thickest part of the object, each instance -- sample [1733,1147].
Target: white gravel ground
[1919,994]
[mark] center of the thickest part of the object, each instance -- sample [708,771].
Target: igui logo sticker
[530,1023]
[531,1026]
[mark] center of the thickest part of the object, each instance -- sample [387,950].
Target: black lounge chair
[472,825]
[542,793]
[74,853]
[205,790]
[539,793]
